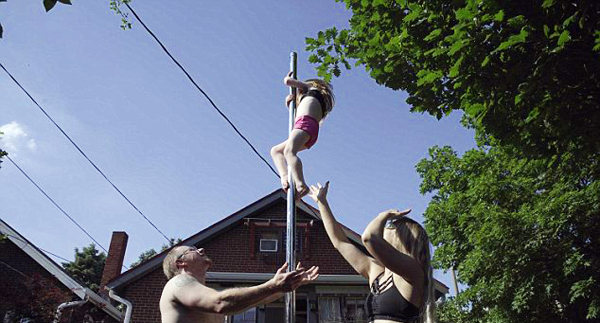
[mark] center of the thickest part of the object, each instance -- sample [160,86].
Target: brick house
[29,277]
[247,247]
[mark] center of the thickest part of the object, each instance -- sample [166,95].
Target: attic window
[268,245]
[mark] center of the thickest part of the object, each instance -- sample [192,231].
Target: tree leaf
[433,34]
[513,40]
[499,16]
[49,4]
[486,60]
[564,37]
[454,70]
[548,3]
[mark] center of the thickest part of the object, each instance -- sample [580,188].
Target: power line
[14,269]
[199,89]
[84,155]
[46,251]
[202,91]
[55,204]
[27,242]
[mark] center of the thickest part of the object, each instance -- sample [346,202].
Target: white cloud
[14,138]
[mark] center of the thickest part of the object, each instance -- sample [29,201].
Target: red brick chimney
[114,259]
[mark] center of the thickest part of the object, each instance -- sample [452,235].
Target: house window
[269,242]
[354,310]
[329,310]
[268,245]
[347,309]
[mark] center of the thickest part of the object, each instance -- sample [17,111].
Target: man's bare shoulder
[183,280]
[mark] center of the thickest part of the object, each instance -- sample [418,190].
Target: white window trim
[268,250]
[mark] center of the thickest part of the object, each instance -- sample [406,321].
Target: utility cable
[45,251]
[14,269]
[204,93]
[199,89]
[84,155]
[29,243]
[55,204]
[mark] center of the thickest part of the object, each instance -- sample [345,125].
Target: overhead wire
[200,89]
[42,249]
[84,155]
[56,204]
[164,48]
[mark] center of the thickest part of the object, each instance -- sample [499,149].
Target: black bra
[319,96]
[385,302]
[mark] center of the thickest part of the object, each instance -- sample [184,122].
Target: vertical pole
[455,283]
[290,298]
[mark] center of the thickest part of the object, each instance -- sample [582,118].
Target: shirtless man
[187,299]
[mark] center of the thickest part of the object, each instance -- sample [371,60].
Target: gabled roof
[55,270]
[207,234]
[199,238]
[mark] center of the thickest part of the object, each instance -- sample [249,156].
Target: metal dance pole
[290,298]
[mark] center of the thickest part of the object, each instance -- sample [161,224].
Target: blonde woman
[398,267]
[315,101]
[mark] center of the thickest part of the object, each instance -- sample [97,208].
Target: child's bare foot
[284,183]
[302,190]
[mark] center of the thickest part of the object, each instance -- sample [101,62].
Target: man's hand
[287,282]
[308,276]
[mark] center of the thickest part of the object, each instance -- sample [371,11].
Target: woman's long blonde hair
[326,90]
[412,239]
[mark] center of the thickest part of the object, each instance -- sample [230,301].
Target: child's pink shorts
[310,126]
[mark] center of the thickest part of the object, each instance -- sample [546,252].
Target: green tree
[87,267]
[32,298]
[523,235]
[150,253]
[527,72]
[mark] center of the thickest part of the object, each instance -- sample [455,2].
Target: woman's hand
[319,193]
[393,213]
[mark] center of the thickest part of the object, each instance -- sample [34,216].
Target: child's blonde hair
[412,239]
[326,90]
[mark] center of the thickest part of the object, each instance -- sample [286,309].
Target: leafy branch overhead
[115,5]
[48,5]
[527,72]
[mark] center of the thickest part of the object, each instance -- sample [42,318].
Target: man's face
[195,257]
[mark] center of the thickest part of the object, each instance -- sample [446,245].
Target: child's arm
[289,81]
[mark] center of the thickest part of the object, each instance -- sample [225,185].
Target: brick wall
[230,252]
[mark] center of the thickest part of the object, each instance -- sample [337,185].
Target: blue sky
[134,113]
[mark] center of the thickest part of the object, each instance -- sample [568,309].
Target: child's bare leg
[280,164]
[295,143]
